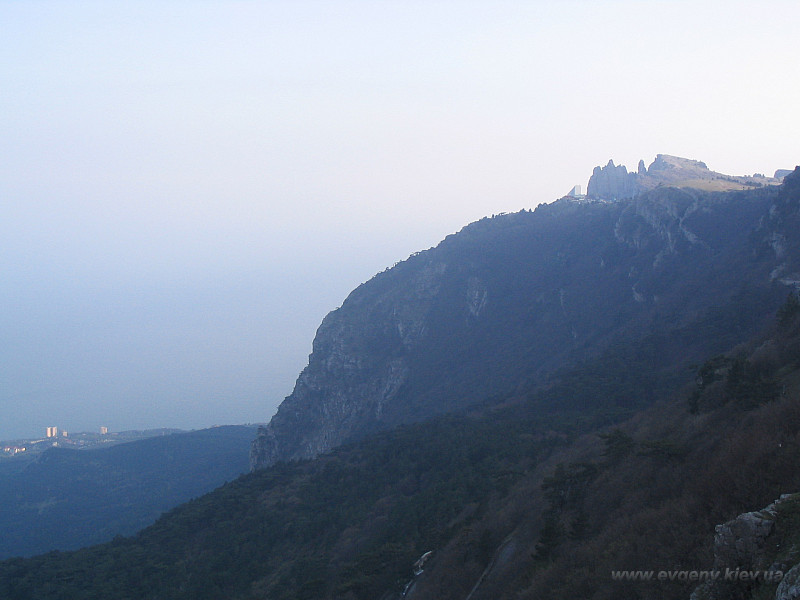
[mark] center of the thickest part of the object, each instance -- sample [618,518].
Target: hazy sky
[187,188]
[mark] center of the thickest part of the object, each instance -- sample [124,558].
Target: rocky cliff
[757,551]
[614,182]
[510,300]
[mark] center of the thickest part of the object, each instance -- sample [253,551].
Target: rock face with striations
[506,302]
[360,362]
[614,182]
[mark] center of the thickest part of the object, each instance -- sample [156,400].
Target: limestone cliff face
[614,182]
[508,301]
[358,365]
[778,230]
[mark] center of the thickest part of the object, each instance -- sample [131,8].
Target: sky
[187,188]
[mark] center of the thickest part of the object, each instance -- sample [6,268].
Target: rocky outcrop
[789,587]
[741,543]
[613,183]
[616,183]
[779,231]
[358,366]
[751,544]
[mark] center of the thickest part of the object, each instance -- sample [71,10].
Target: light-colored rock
[741,542]
[614,182]
[748,543]
[789,587]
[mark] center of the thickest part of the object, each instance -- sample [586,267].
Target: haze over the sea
[187,188]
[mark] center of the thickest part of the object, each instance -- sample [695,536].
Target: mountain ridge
[614,182]
[512,504]
[673,410]
[510,299]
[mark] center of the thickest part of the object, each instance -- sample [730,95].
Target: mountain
[616,183]
[66,499]
[506,503]
[510,300]
[498,467]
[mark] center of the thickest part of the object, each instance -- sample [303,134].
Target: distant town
[54,437]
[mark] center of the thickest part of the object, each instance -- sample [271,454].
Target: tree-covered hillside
[67,499]
[510,300]
[509,502]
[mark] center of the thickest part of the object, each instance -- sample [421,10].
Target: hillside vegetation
[512,300]
[520,504]
[675,408]
[67,499]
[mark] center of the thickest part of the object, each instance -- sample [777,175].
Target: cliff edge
[614,182]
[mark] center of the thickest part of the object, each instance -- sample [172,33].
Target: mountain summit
[616,183]
[509,301]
